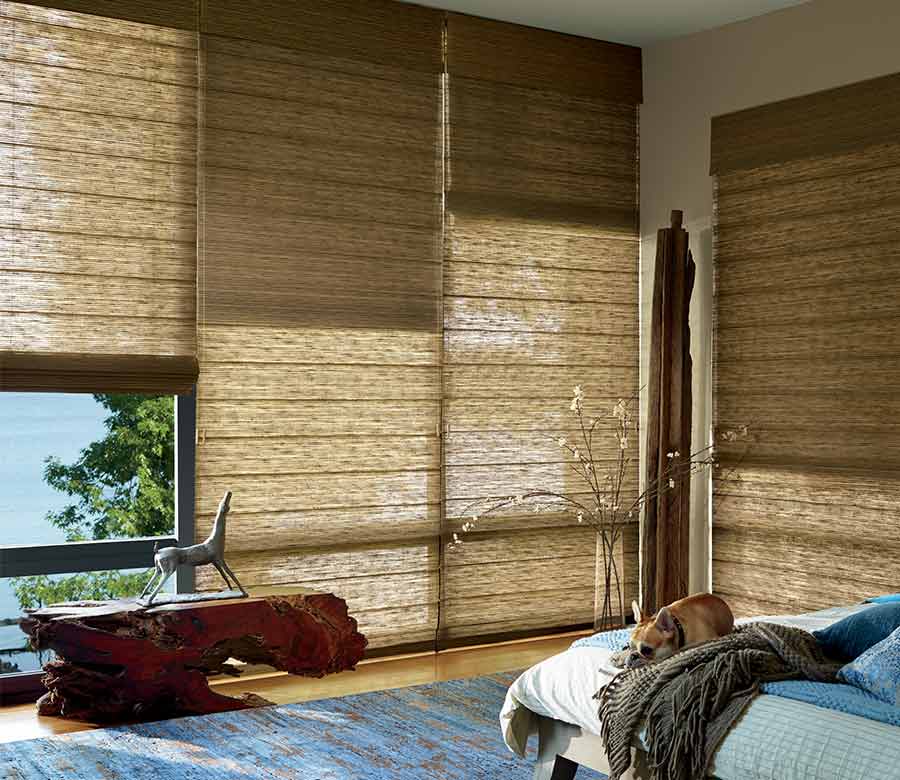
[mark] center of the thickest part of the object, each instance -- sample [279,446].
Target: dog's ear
[664,621]
[636,611]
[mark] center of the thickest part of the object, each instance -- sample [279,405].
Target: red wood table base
[118,660]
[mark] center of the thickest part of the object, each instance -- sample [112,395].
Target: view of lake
[32,427]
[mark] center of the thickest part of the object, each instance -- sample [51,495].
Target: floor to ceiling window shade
[540,294]
[97,200]
[808,349]
[320,281]
[324,284]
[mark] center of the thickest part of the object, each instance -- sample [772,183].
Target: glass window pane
[77,467]
[20,593]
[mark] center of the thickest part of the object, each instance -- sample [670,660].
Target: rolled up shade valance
[807,354]
[543,61]
[178,14]
[835,121]
[97,203]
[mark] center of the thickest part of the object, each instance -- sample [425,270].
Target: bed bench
[562,748]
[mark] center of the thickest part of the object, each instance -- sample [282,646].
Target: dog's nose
[634,661]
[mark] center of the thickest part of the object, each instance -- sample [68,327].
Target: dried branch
[604,515]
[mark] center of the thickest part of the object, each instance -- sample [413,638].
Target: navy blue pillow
[851,637]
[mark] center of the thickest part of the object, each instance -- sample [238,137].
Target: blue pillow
[877,670]
[856,633]
[886,599]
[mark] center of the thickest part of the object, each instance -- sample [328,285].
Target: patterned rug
[443,731]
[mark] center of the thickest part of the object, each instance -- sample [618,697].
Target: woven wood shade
[540,294]
[807,348]
[319,395]
[97,201]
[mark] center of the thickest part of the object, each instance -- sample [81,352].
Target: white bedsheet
[835,744]
[561,687]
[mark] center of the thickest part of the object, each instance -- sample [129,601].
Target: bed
[776,738]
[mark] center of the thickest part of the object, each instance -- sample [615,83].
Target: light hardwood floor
[22,722]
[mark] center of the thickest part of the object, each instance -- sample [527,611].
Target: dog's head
[654,638]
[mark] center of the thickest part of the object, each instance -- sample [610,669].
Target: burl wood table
[120,661]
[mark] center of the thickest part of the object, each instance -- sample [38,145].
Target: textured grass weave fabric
[689,701]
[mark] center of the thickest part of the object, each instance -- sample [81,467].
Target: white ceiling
[637,22]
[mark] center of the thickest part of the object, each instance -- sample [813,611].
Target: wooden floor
[22,722]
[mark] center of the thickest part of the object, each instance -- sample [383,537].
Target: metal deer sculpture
[168,559]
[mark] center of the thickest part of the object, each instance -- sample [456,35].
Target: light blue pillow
[877,670]
[886,599]
[851,637]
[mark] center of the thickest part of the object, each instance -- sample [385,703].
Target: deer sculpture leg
[231,574]
[164,578]
[222,572]
[156,572]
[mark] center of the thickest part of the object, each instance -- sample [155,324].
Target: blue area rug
[443,731]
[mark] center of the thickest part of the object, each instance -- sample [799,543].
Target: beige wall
[814,46]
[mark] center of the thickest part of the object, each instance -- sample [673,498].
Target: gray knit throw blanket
[689,701]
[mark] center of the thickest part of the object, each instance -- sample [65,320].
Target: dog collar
[680,629]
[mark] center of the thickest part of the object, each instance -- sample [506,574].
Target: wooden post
[666,523]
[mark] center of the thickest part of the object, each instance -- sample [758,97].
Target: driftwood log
[121,661]
[666,523]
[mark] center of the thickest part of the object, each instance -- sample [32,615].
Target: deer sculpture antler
[168,559]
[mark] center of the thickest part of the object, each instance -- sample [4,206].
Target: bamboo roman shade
[320,384]
[97,199]
[540,294]
[808,349]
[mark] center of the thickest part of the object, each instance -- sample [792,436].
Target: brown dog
[684,623]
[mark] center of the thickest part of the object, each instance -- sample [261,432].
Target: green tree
[122,486]
[33,592]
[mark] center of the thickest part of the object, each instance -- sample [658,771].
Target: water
[32,427]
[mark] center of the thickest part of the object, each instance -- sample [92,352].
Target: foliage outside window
[122,486]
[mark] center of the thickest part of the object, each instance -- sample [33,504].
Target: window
[98,295]
[409,247]
[806,342]
[87,489]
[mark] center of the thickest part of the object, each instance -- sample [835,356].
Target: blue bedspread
[836,696]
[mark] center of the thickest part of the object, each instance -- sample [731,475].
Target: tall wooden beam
[665,526]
